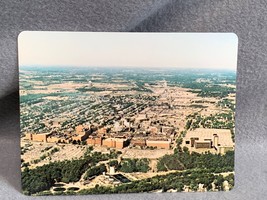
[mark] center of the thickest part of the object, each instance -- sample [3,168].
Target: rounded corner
[21,34]
[235,36]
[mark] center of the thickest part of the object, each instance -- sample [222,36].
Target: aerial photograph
[107,113]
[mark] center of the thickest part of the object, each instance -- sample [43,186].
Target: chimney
[215,140]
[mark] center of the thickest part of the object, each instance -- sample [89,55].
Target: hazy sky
[156,50]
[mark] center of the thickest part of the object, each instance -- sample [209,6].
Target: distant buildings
[120,136]
[198,140]
[37,137]
[98,137]
[159,144]
[81,133]
[213,140]
[94,141]
[138,142]
[118,143]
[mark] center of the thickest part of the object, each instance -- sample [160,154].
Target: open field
[37,149]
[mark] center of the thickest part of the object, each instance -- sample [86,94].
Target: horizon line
[127,67]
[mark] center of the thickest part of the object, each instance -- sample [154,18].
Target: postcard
[105,113]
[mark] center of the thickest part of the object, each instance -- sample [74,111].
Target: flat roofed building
[81,133]
[213,140]
[53,139]
[94,141]
[203,144]
[41,137]
[118,143]
[159,144]
[138,142]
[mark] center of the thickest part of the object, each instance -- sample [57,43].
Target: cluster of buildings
[81,133]
[122,142]
[198,140]
[213,140]
[91,135]
[120,121]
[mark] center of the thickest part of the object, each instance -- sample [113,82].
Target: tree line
[44,177]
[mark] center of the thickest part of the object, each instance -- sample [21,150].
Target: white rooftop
[224,135]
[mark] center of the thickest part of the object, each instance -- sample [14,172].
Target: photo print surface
[110,113]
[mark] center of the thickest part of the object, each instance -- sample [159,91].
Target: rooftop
[224,135]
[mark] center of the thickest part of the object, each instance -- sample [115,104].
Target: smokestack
[215,140]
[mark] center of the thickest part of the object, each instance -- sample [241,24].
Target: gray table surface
[246,18]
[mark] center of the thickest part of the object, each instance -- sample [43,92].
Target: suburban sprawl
[89,130]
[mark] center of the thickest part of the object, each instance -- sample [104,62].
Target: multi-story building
[118,143]
[138,142]
[159,144]
[213,140]
[37,137]
[94,141]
